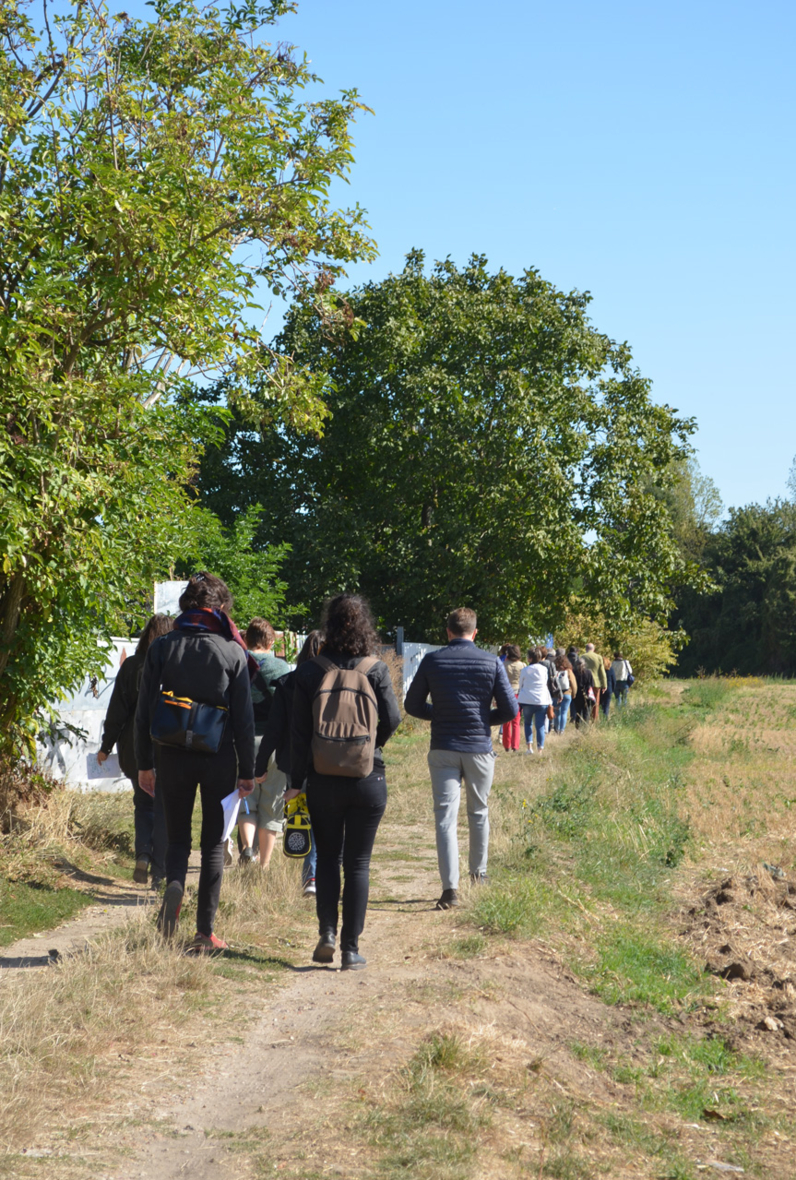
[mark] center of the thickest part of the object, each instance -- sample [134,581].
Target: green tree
[748,622]
[153,176]
[486,445]
[251,572]
[695,507]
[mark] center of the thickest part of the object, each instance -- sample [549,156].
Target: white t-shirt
[533,686]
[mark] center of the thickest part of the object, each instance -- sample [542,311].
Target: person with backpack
[264,819]
[344,710]
[567,687]
[119,730]
[195,708]
[583,704]
[275,746]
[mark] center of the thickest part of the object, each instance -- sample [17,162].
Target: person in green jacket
[594,662]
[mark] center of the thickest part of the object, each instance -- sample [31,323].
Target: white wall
[72,758]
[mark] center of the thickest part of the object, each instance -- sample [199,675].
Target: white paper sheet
[231,804]
[108,769]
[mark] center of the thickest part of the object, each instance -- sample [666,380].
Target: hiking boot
[309,889]
[207,944]
[449,899]
[248,857]
[324,951]
[141,870]
[169,914]
[352,961]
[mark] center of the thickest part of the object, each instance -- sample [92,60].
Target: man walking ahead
[462,681]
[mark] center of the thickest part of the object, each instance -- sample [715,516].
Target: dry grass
[72,1036]
[92,830]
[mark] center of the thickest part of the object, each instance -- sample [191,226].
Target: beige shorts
[267,800]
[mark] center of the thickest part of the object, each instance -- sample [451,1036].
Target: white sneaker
[309,888]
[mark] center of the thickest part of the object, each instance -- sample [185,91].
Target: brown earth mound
[744,928]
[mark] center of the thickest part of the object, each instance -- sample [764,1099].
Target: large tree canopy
[486,445]
[747,623]
[152,176]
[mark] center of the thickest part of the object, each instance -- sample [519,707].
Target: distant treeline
[748,624]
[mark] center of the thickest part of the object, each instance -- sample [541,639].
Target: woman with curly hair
[345,810]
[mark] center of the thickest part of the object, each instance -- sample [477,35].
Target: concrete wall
[72,756]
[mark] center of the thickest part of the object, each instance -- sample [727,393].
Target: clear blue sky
[642,152]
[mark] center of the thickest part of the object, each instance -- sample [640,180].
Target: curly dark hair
[158,625]
[563,664]
[205,591]
[348,626]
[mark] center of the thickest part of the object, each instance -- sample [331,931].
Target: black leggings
[346,813]
[179,773]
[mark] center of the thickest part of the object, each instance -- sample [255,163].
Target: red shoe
[207,944]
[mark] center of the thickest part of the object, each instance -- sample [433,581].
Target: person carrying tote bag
[195,726]
[623,678]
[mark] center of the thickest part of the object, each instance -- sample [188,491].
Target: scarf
[217,623]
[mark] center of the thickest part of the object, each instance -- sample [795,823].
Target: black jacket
[119,727]
[308,677]
[462,680]
[207,668]
[276,735]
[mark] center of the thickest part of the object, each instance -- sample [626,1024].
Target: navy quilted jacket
[462,680]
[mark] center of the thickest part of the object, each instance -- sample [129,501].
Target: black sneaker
[449,899]
[141,870]
[324,951]
[352,961]
[169,914]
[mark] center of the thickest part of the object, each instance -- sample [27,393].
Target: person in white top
[534,699]
[622,672]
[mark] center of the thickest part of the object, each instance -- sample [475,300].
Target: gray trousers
[448,769]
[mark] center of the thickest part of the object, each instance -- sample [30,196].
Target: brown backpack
[345,714]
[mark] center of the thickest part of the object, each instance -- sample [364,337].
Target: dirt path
[253,1108]
[114,903]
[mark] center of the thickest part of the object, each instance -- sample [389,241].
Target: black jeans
[150,830]
[179,774]
[346,813]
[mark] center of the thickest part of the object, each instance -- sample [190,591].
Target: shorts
[267,800]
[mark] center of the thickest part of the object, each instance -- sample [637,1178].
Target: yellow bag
[297,841]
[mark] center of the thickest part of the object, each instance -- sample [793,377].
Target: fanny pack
[188,725]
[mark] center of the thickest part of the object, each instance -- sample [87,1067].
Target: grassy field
[642,883]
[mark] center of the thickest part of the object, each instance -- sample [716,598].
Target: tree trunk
[10,605]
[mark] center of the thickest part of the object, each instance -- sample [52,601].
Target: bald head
[589,647]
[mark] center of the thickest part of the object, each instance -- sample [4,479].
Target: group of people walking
[201,665]
[557,685]
[199,707]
